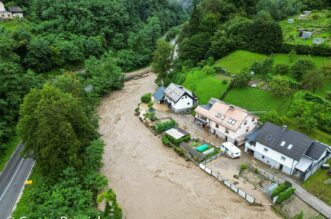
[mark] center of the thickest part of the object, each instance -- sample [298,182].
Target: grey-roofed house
[179,99]
[290,151]
[16,11]
[158,96]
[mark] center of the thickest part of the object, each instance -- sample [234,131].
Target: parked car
[325,166]
[231,150]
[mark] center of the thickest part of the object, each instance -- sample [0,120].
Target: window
[188,103]
[266,149]
[253,119]
[262,157]
[217,126]
[290,146]
[227,131]
[245,123]
[283,158]
[283,143]
[247,129]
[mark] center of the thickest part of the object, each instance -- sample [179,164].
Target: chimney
[284,128]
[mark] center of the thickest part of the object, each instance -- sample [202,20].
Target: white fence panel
[250,199]
[202,166]
[235,189]
[207,170]
[242,193]
[227,183]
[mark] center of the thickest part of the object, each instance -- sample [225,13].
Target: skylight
[283,143]
[218,115]
[289,146]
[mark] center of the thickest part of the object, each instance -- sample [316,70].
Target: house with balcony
[291,152]
[226,121]
[13,12]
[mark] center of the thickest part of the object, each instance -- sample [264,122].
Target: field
[317,186]
[254,99]
[240,60]
[206,86]
[318,22]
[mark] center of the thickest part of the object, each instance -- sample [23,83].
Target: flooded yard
[152,181]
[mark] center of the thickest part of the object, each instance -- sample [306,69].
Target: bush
[263,67]
[165,140]
[281,187]
[243,166]
[179,151]
[150,115]
[225,82]
[282,69]
[241,80]
[285,195]
[146,98]
[160,127]
[300,67]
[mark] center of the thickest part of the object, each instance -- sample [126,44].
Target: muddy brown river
[151,181]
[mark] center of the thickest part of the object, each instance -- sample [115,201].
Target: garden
[317,22]
[323,180]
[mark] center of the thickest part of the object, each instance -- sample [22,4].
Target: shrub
[165,140]
[243,166]
[256,171]
[150,105]
[225,82]
[300,67]
[209,70]
[164,126]
[146,98]
[150,115]
[179,151]
[281,187]
[285,195]
[282,69]
[263,67]
[241,80]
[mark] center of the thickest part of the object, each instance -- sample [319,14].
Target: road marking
[10,182]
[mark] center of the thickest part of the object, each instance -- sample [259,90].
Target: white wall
[272,157]
[185,102]
[2,7]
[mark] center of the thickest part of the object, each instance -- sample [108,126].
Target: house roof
[290,143]
[15,9]
[175,92]
[159,94]
[316,150]
[223,113]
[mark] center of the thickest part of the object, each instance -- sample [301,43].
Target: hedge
[285,195]
[281,187]
[316,50]
[160,127]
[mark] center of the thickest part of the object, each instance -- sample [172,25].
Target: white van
[231,150]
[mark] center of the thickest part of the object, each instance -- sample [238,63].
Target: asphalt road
[12,181]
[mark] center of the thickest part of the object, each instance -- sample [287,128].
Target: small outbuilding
[318,41]
[305,34]
[290,21]
[158,96]
[16,11]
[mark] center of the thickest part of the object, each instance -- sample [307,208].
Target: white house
[229,122]
[179,99]
[13,12]
[291,152]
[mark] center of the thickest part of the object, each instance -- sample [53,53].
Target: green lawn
[315,184]
[205,86]
[254,99]
[240,60]
[11,146]
[317,22]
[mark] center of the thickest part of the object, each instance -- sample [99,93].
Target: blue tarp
[159,94]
